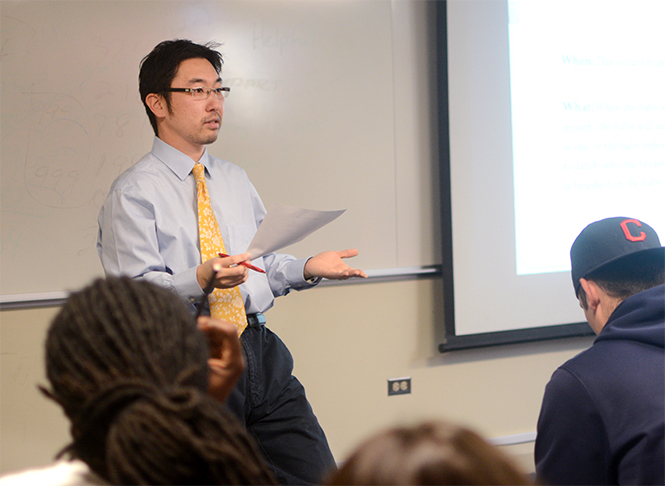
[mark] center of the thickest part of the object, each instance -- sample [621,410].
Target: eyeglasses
[202,93]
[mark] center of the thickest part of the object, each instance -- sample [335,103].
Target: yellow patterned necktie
[225,304]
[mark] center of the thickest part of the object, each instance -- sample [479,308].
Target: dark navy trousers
[271,402]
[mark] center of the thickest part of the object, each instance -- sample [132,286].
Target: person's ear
[157,105]
[592,292]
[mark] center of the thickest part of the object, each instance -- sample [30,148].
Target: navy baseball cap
[608,240]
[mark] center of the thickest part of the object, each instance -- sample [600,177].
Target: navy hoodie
[603,413]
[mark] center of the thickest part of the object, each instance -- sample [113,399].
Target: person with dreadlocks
[127,364]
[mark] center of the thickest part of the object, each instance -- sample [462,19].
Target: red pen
[244,264]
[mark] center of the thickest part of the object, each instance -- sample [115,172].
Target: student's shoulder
[60,473]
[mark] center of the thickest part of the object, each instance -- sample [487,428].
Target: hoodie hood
[639,318]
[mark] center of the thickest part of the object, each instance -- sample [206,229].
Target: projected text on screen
[588,121]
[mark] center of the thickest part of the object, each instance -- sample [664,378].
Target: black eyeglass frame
[224,91]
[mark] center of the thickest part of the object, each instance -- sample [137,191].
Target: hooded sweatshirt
[603,412]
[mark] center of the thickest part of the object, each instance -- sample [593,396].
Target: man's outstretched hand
[330,265]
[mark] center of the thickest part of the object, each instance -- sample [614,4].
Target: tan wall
[32,429]
[347,341]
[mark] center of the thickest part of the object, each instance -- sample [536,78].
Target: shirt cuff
[296,275]
[187,286]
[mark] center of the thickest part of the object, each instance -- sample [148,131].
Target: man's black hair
[628,276]
[158,68]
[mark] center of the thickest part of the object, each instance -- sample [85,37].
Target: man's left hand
[330,265]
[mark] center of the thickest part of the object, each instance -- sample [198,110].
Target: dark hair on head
[628,276]
[431,452]
[158,68]
[128,365]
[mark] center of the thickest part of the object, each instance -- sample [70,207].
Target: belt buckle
[255,319]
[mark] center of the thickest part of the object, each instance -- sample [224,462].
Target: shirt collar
[174,159]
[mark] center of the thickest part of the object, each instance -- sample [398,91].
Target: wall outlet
[399,386]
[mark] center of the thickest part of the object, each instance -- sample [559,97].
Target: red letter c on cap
[624,226]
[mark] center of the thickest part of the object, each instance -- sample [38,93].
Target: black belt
[254,320]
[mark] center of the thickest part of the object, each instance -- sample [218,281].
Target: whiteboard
[311,117]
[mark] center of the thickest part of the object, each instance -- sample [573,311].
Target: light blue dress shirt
[148,227]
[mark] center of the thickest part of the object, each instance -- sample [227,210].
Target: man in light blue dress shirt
[148,229]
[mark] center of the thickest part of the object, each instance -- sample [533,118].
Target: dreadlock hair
[128,365]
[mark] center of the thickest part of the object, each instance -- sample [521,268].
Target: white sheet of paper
[285,225]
